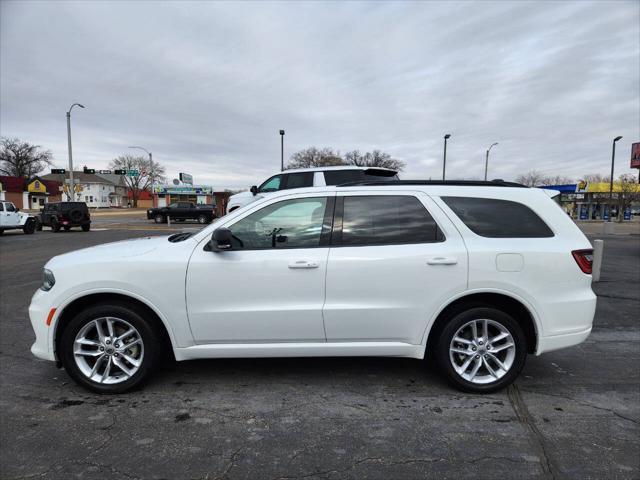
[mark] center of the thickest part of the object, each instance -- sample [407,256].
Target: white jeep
[11,218]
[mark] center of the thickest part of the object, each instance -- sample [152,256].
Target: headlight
[48,280]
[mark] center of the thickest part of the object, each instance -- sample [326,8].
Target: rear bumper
[557,342]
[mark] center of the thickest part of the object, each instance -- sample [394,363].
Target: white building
[96,191]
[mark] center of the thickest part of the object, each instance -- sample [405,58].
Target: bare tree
[533,178]
[376,158]
[596,178]
[143,181]
[315,157]
[557,180]
[22,159]
[628,194]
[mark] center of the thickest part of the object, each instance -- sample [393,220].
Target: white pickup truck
[11,218]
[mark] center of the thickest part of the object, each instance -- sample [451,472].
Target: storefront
[164,195]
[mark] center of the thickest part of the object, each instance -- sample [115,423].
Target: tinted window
[493,218]
[288,224]
[386,219]
[299,180]
[271,185]
[184,204]
[336,177]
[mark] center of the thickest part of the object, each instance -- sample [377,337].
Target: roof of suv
[340,167]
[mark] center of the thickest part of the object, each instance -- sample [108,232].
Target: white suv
[478,273]
[11,218]
[309,177]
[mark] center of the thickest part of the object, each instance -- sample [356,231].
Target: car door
[2,214]
[10,218]
[395,259]
[270,286]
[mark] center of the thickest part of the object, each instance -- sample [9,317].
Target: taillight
[584,259]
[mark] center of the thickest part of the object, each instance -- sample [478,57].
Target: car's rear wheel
[86,228]
[481,350]
[38,225]
[202,219]
[109,348]
[29,227]
[159,218]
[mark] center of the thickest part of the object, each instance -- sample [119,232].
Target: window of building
[494,218]
[288,224]
[385,220]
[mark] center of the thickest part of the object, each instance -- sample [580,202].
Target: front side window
[271,185]
[299,180]
[289,224]
[10,207]
[489,217]
[387,219]
[173,205]
[1,207]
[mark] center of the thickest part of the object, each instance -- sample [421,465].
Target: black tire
[1,232]
[159,218]
[67,228]
[86,228]
[203,219]
[451,328]
[38,225]
[29,227]
[151,342]
[55,225]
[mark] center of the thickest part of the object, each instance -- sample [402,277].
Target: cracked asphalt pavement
[574,413]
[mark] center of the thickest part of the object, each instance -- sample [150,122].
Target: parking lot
[574,413]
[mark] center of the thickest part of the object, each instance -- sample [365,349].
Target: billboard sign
[186,178]
[635,155]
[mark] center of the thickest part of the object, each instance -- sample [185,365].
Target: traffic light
[89,170]
[58,170]
[120,172]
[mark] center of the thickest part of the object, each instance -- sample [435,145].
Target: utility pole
[613,159]
[282,150]
[72,188]
[486,161]
[444,159]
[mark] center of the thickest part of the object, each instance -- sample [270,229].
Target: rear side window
[386,220]
[337,177]
[493,218]
[299,180]
[1,207]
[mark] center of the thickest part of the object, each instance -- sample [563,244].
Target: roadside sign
[605,215]
[186,178]
[104,171]
[89,170]
[584,212]
[120,172]
[58,171]
[627,214]
[133,173]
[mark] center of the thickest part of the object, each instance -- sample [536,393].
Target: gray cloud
[206,86]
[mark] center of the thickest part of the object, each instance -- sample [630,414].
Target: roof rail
[464,183]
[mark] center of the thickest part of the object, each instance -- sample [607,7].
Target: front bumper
[38,311]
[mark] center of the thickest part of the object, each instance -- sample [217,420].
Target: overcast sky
[206,86]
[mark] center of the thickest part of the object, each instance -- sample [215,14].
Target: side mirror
[17,210]
[254,190]
[221,239]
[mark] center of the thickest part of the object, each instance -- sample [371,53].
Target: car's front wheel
[202,219]
[159,219]
[29,227]
[481,350]
[109,348]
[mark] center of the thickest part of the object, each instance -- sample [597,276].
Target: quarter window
[289,224]
[387,219]
[489,217]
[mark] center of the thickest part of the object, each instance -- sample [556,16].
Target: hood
[112,251]
[242,195]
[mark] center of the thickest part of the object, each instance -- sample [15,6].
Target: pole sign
[120,172]
[59,171]
[133,173]
[635,155]
[186,178]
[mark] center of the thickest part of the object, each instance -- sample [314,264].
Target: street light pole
[486,161]
[72,194]
[444,159]
[282,150]
[613,159]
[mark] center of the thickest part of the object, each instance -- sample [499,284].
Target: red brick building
[29,194]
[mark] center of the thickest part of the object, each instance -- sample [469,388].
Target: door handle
[442,261]
[303,264]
